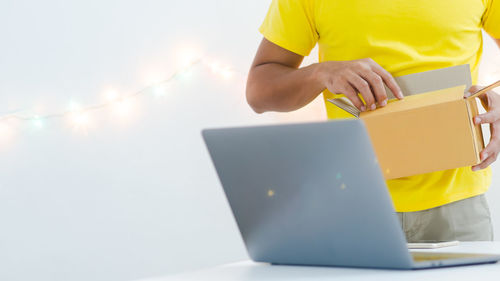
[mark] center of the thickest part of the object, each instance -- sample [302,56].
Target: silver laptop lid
[309,194]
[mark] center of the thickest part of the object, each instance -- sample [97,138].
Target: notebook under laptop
[313,194]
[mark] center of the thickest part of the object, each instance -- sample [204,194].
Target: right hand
[362,76]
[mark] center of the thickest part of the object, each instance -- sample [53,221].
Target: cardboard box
[423,133]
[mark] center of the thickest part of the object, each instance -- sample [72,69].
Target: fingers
[352,95]
[472,90]
[490,153]
[377,87]
[364,89]
[388,80]
[483,165]
[484,97]
[488,117]
[362,76]
[490,101]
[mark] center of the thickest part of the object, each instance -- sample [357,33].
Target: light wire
[143,91]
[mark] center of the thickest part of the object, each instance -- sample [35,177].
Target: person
[362,46]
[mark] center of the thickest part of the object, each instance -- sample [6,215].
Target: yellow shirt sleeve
[290,24]
[491,19]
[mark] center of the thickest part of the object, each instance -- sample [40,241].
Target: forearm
[276,87]
[277,83]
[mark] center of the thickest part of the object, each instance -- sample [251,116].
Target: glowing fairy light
[80,119]
[270,193]
[120,105]
[187,56]
[74,106]
[185,75]
[124,106]
[159,90]
[37,122]
[226,74]
[214,66]
[111,96]
[223,71]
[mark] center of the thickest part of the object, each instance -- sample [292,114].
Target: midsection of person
[403,37]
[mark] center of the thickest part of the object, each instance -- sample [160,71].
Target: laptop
[314,194]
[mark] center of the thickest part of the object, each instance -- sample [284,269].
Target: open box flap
[418,83]
[433,80]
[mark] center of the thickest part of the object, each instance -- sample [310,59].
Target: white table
[248,270]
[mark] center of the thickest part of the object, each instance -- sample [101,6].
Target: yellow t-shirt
[403,37]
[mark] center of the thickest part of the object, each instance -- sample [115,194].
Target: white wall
[133,197]
[127,198]
[488,73]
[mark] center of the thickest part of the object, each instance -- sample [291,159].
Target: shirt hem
[433,204]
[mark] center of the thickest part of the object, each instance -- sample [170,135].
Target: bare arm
[491,102]
[276,83]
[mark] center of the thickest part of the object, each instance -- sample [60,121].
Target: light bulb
[111,96]
[122,107]
[187,56]
[223,71]
[226,74]
[80,119]
[159,90]
[185,74]
[37,122]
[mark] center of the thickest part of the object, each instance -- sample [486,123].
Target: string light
[226,74]
[187,56]
[159,91]
[80,119]
[220,69]
[185,75]
[74,106]
[37,122]
[120,105]
[111,95]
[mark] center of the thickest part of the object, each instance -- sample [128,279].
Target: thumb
[471,90]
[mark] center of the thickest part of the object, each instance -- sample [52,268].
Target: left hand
[491,102]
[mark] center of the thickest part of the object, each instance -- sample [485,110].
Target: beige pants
[464,220]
